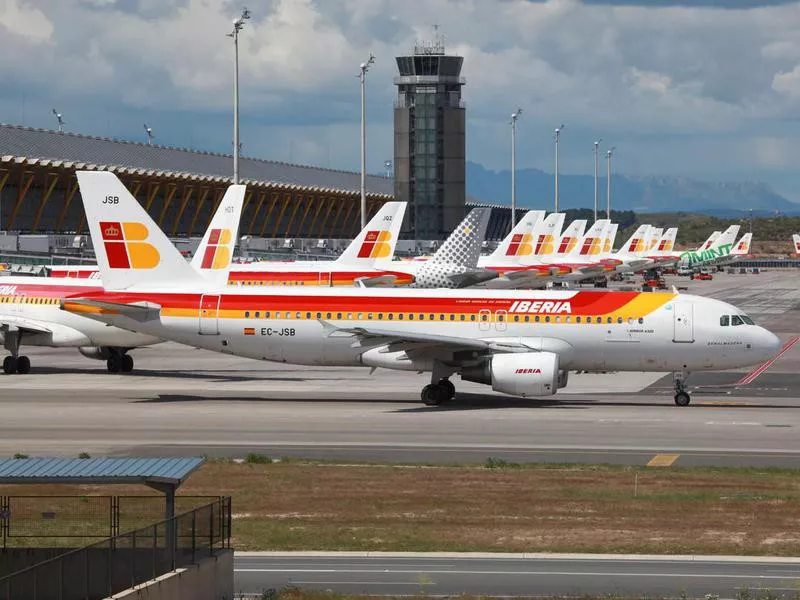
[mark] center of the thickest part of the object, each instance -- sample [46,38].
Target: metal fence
[56,521]
[125,560]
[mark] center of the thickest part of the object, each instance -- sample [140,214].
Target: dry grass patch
[571,508]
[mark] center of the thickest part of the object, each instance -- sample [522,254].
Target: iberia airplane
[30,311]
[519,342]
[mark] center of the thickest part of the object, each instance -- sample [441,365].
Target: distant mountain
[535,189]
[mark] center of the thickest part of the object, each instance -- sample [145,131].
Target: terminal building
[181,187]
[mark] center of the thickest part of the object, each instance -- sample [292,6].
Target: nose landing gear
[682,397]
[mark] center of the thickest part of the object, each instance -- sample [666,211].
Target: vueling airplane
[30,306]
[521,343]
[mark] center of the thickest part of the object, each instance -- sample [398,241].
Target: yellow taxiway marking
[663,460]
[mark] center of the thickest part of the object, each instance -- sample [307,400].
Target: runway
[189,402]
[435,575]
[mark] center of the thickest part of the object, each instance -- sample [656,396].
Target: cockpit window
[724,320]
[736,320]
[747,319]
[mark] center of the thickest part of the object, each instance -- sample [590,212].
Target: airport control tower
[429,141]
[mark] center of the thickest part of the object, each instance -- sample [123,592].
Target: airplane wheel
[9,365]
[127,363]
[432,395]
[114,363]
[447,385]
[23,365]
[682,399]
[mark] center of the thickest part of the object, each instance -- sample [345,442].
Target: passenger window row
[28,300]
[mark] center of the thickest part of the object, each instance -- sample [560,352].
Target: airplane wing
[388,337]
[471,277]
[18,322]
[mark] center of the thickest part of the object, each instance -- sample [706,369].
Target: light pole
[609,154]
[387,164]
[514,117]
[557,138]
[362,76]
[238,25]
[60,121]
[150,136]
[596,159]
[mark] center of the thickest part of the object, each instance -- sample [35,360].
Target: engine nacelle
[95,352]
[523,374]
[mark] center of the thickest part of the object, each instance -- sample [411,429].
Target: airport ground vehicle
[704,276]
[519,342]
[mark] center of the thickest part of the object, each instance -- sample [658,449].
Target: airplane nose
[768,342]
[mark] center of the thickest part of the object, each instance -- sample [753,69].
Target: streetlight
[596,157]
[557,138]
[238,25]
[387,164]
[609,154]
[514,116]
[60,121]
[362,75]
[150,136]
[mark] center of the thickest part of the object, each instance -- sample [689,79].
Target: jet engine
[523,374]
[96,352]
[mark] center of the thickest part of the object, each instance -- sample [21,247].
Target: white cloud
[788,83]
[20,19]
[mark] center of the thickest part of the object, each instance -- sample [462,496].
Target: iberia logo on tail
[544,244]
[126,247]
[567,244]
[218,252]
[520,245]
[636,245]
[591,247]
[376,245]
[665,246]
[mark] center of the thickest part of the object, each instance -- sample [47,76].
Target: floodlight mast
[557,139]
[150,136]
[609,155]
[514,116]
[60,121]
[596,159]
[238,25]
[362,76]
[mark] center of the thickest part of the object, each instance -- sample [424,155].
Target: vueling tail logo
[376,245]
[520,245]
[126,247]
[218,252]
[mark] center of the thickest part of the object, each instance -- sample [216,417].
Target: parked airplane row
[518,342]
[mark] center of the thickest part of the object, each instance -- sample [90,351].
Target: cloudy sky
[700,88]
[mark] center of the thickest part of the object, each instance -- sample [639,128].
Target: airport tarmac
[387,574]
[184,401]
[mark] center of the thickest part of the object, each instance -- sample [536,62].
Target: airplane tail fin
[667,242]
[455,263]
[710,241]
[569,239]
[376,242]
[214,254]
[635,243]
[131,249]
[654,235]
[742,247]
[519,241]
[796,240]
[726,239]
[547,233]
[592,243]
[611,236]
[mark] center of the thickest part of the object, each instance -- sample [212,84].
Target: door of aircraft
[684,322]
[324,279]
[209,314]
[19,303]
[501,316]
[484,322]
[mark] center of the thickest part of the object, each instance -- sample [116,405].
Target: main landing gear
[119,362]
[15,363]
[434,394]
[682,397]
